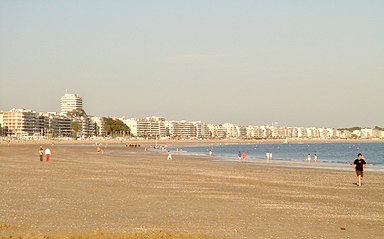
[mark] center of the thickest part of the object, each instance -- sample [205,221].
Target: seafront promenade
[130,191]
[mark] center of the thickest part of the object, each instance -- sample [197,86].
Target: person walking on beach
[239,155]
[47,154]
[41,153]
[210,152]
[315,158]
[360,166]
[169,155]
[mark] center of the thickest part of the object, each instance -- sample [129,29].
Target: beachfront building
[2,128]
[242,132]
[344,134]
[53,124]
[266,132]
[377,133]
[254,132]
[201,129]
[278,132]
[132,124]
[98,124]
[71,102]
[181,129]
[231,130]
[217,131]
[84,125]
[366,133]
[292,132]
[149,127]
[20,122]
[302,132]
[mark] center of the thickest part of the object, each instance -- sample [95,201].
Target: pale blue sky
[299,63]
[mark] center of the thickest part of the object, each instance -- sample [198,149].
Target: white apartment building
[99,125]
[231,130]
[217,131]
[243,132]
[20,122]
[201,129]
[366,133]
[54,125]
[182,129]
[147,127]
[70,102]
[23,123]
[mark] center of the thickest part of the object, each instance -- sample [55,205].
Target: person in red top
[243,156]
[360,166]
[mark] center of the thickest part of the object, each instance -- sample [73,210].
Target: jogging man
[360,166]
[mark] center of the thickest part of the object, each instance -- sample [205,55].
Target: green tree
[351,129]
[77,113]
[75,129]
[114,127]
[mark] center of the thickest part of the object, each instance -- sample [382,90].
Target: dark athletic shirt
[359,164]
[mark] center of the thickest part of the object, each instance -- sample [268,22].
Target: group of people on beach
[242,156]
[359,164]
[309,158]
[46,152]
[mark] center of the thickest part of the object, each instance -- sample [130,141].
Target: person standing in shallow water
[309,158]
[360,167]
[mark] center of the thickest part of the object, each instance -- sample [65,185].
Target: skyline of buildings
[72,121]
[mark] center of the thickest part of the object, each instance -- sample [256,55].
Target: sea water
[327,153]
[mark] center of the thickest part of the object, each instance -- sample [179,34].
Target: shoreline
[147,144]
[280,163]
[192,142]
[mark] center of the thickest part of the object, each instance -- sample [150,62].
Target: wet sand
[128,191]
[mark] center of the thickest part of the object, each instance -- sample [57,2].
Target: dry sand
[133,193]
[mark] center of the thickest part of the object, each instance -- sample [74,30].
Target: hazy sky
[299,63]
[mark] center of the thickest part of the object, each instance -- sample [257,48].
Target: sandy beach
[133,193]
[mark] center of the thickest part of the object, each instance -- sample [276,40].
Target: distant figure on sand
[210,153]
[169,155]
[47,154]
[239,155]
[41,153]
[315,158]
[309,158]
[360,166]
[243,156]
[268,155]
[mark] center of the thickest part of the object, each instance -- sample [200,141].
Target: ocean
[336,154]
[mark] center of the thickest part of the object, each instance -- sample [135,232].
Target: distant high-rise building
[70,102]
